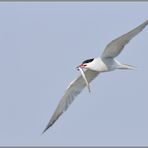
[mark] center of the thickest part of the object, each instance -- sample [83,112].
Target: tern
[93,67]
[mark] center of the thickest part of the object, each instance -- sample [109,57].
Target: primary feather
[106,61]
[114,48]
[72,91]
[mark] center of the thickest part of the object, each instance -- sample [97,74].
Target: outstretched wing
[72,91]
[114,48]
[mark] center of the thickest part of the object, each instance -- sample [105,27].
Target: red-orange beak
[81,66]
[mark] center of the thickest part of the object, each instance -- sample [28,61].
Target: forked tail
[126,66]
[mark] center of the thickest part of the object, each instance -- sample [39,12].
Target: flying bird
[93,67]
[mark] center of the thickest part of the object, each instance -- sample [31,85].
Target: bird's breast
[99,65]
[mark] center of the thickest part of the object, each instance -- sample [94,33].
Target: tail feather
[126,66]
[131,67]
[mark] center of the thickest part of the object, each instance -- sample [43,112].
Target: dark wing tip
[47,127]
[52,121]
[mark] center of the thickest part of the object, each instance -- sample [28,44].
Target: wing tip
[144,24]
[47,127]
[50,124]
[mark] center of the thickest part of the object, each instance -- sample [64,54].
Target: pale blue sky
[40,46]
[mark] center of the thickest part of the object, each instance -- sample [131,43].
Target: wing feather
[114,48]
[71,92]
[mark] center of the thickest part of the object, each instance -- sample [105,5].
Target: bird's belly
[99,65]
[101,68]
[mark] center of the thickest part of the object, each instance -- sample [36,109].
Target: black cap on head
[87,61]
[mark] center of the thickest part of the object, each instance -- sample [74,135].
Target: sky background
[40,46]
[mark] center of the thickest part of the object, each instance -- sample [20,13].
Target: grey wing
[114,48]
[72,91]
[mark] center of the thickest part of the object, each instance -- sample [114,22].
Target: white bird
[93,67]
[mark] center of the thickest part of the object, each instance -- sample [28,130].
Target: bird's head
[85,64]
